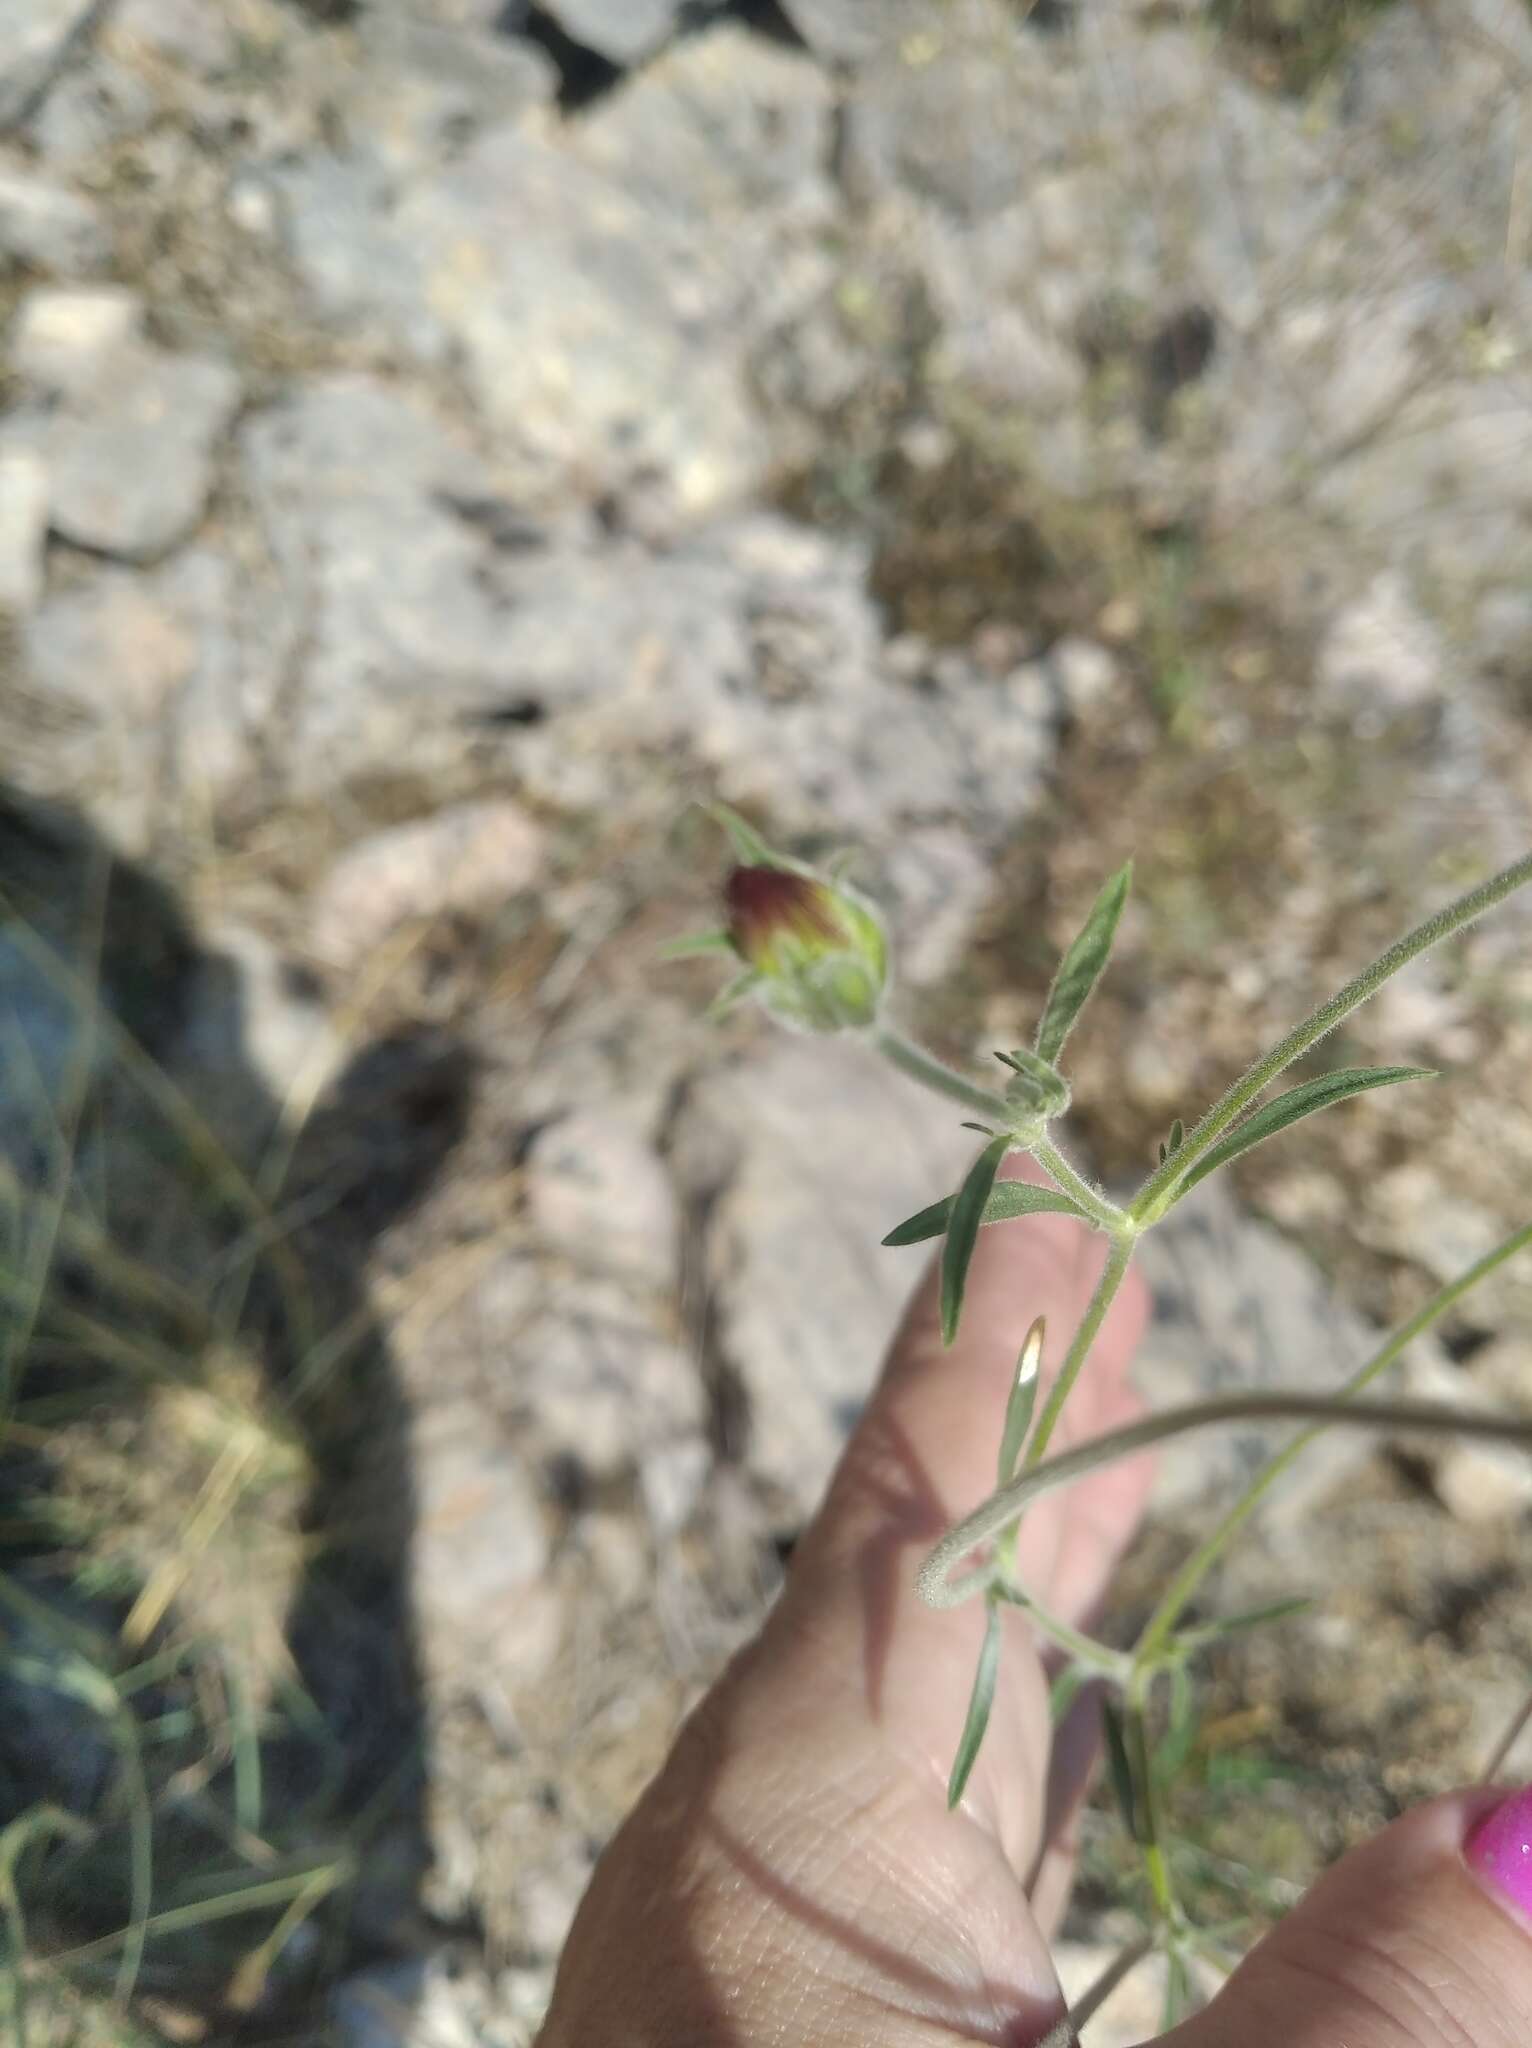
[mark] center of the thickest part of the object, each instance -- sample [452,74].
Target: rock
[846,30]
[97,104]
[804,1156]
[1086,673]
[109,646]
[937,882]
[188,33]
[423,91]
[23,528]
[1483,1482]
[722,128]
[481,1540]
[463,861]
[622,31]
[64,339]
[582,321]
[389,590]
[1380,654]
[47,227]
[37,38]
[593,1381]
[598,1192]
[414,2002]
[132,461]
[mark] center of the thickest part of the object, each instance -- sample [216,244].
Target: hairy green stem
[1183,1586]
[1430,1418]
[1154,1196]
[1104,1214]
[1098,1657]
[933,1073]
[1121,1967]
[1090,1323]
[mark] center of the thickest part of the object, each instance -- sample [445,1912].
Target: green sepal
[1080,969]
[1007,1199]
[727,999]
[1288,1108]
[695,944]
[963,1230]
[980,1701]
[746,841]
[1038,1088]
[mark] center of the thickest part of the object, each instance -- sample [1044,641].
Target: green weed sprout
[816,955]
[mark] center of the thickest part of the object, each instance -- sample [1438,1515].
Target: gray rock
[64,338]
[937,882]
[481,1538]
[390,594]
[622,31]
[37,38]
[849,31]
[47,227]
[247,1015]
[201,38]
[96,104]
[583,324]
[423,90]
[132,462]
[23,527]
[463,861]
[1380,654]
[807,1154]
[598,1192]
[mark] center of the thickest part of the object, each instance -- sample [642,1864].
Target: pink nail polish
[1500,1849]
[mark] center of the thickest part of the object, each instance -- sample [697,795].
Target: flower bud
[817,952]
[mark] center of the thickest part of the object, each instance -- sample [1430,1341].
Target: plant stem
[933,1073]
[1184,1585]
[1155,1194]
[1090,1323]
[1120,1967]
[1156,1867]
[1097,1657]
[1104,1214]
[1008,1502]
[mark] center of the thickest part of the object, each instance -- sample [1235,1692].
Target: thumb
[1422,1938]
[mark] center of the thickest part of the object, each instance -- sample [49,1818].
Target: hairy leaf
[1297,1102]
[1080,968]
[980,1701]
[1116,1742]
[968,1206]
[1237,1624]
[1007,1199]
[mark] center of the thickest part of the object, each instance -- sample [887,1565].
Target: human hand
[793,1875]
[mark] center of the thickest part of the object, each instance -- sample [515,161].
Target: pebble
[36,37]
[132,462]
[64,338]
[598,1191]
[462,861]
[45,226]
[23,528]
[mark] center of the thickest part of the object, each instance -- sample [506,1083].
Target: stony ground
[439,442]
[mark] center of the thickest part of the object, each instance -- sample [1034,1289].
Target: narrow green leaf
[968,1206]
[1297,1102]
[730,998]
[746,841]
[697,943]
[1018,1409]
[1237,1624]
[1007,1199]
[1121,1770]
[980,1701]
[1080,968]
[1177,1133]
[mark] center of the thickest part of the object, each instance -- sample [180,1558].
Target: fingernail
[1500,1849]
